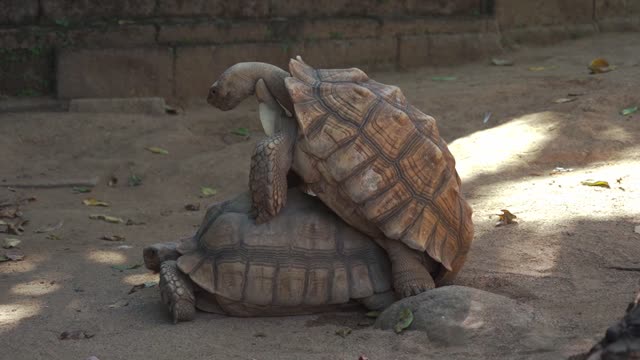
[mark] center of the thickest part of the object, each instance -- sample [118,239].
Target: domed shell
[306,256]
[386,156]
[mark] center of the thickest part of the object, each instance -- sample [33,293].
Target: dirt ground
[566,257]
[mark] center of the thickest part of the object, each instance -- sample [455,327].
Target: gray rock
[145,105]
[457,315]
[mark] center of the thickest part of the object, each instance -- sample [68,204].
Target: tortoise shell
[382,159]
[306,256]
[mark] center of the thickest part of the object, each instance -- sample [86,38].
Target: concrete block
[514,14]
[339,28]
[80,11]
[26,72]
[148,105]
[115,72]
[214,32]
[371,53]
[449,7]
[311,8]
[112,36]
[425,25]
[413,51]
[458,49]
[218,8]
[197,67]
[619,24]
[18,11]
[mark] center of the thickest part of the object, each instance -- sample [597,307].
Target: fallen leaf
[599,183]
[132,222]
[14,227]
[506,218]
[53,237]
[373,314]
[123,247]
[10,243]
[50,228]
[80,189]
[134,180]
[125,267]
[95,202]
[113,181]
[75,335]
[14,254]
[404,321]
[119,304]
[599,65]
[537,68]
[112,238]
[564,100]
[637,229]
[343,331]
[629,111]
[487,116]
[3,258]
[10,212]
[170,110]
[501,62]
[260,335]
[192,207]
[111,219]
[619,180]
[559,170]
[363,357]
[240,131]
[145,285]
[157,150]
[92,358]
[444,78]
[207,191]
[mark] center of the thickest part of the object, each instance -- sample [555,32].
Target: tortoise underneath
[305,260]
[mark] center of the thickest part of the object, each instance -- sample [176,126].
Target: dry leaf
[3,258]
[112,238]
[119,304]
[192,207]
[10,243]
[506,218]
[363,357]
[599,183]
[501,62]
[10,212]
[240,132]
[110,219]
[50,228]
[75,335]
[145,285]
[343,331]
[564,100]
[14,254]
[207,191]
[404,321]
[132,222]
[125,267]
[80,189]
[599,65]
[628,111]
[559,170]
[637,229]
[157,150]
[373,314]
[113,181]
[53,237]
[95,202]
[487,117]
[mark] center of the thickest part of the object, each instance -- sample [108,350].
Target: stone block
[145,105]
[413,51]
[339,28]
[214,32]
[112,36]
[445,49]
[311,8]
[18,11]
[371,53]
[619,24]
[197,67]
[26,72]
[80,11]
[424,25]
[218,8]
[616,8]
[449,7]
[514,14]
[115,72]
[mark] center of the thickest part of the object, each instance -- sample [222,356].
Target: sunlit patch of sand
[35,288]
[139,278]
[11,314]
[107,257]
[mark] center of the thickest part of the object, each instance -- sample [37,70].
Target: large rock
[456,315]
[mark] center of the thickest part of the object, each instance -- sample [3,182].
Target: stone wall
[176,48]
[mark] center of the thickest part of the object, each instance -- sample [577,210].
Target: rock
[455,315]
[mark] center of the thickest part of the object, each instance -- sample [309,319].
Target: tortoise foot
[412,282]
[176,291]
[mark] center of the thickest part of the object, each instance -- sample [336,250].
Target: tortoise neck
[273,77]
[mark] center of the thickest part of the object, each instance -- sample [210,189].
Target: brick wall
[176,48]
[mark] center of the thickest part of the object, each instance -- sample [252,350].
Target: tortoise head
[232,87]
[155,254]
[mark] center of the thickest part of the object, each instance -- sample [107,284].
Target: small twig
[50,184]
[623,268]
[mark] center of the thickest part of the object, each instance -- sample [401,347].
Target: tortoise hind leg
[379,302]
[410,276]
[176,291]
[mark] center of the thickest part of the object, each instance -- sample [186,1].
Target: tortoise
[306,260]
[366,152]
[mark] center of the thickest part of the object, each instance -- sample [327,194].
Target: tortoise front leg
[176,291]
[410,276]
[272,158]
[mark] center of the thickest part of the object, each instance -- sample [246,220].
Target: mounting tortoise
[305,260]
[372,157]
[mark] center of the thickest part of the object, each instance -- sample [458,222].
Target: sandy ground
[560,258]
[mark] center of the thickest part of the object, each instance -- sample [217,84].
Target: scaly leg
[176,291]
[410,276]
